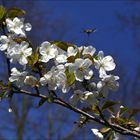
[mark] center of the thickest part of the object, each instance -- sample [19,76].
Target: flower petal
[86,63]
[61,58]
[27,52]
[88,74]
[79,75]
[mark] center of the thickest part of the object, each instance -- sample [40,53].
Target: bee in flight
[89,31]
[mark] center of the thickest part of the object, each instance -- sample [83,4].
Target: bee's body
[89,31]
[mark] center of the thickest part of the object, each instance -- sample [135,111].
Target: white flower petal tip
[97,133]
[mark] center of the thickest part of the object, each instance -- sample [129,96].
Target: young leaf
[123,110]
[62,45]
[70,77]
[2,12]
[2,95]
[108,104]
[41,102]
[95,110]
[33,59]
[50,99]
[121,121]
[105,129]
[15,12]
[89,57]
[20,39]
[71,59]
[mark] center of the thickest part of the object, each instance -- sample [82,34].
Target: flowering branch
[64,68]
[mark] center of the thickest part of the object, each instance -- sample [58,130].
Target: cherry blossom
[6,42]
[17,26]
[89,50]
[19,52]
[81,69]
[104,63]
[47,51]
[18,77]
[109,82]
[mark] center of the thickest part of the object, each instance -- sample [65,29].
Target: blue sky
[100,15]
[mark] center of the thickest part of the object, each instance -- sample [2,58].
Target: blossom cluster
[66,70]
[16,52]
[79,63]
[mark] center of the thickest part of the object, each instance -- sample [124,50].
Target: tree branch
[120,129]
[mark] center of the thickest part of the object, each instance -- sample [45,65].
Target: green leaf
[71,59]
[124,122]
[105,129]
[123,110]
[70,77]
[3,87]
[50,99]
[108,104]
[2,95]
[110,137]
[89,57]
[33,59]
[118,120]
[20,39]
[62,45]
[131,123]
[95,110]
[15,12]
[2,12]
[111,110]
[41,102]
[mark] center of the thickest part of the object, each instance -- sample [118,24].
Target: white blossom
[62,57]
[81,69]
[104,63]
[18,77]
[47,51]
[108,82]
[17,26]
[92,86]
[5,42]
[97,133]
[55,78]
[76,97]
[71,51]
[89,98]
[19,52]
[50,79]
[61,78]
[89,50]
